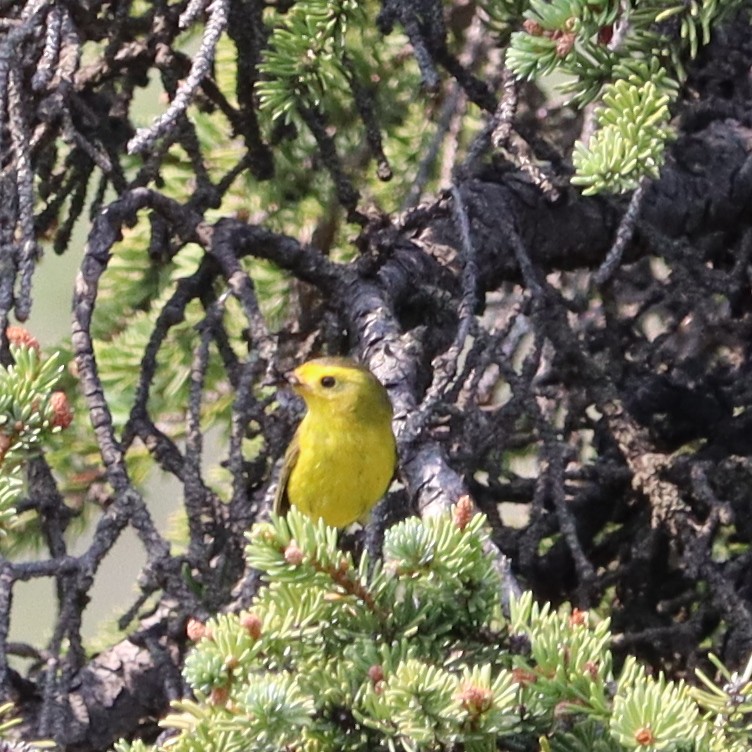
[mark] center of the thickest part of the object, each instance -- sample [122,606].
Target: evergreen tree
[528,219]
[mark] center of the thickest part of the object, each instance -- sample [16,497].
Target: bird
[343,455]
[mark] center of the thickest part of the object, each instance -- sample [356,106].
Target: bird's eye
[328,381]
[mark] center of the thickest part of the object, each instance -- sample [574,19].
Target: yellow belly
[339,475]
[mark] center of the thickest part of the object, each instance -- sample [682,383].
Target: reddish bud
[578,618]
[564,44]
[62,415]
[524,677]
[219,696]
[293,554]
[195,629]
[532,27]
[591,668]
[17,335]
[463,512]
[475,700]
[252,624]
[376,675]
[644,737]
[605,34]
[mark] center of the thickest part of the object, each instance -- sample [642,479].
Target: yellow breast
[342,469]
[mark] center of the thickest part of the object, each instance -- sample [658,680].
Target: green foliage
[414,653]
[687,24]
[30,413]
[571,654]
[586,735]
[318,54]
[563,36]
[727,706]
[303,65]
[630,143]
[652,714]
[633,75]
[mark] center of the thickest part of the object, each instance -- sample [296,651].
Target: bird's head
[339,385]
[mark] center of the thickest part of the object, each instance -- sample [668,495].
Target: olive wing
[281,500]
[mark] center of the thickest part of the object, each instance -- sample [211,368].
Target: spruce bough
[414,653]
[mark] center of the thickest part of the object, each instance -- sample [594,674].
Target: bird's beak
[294,381]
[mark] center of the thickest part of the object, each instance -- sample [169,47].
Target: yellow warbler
[342,457]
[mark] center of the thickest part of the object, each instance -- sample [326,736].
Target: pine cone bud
[591,668]
[219,696]
[565,43]
[605,34]
[532,27]
[578,618]
[252,624]
[644,737]
[17,335]
[62,415]
[475,700]
[463,512]
[293,554]
[195,629]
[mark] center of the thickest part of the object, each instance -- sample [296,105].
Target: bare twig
[216,24]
